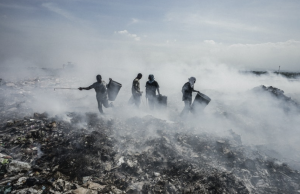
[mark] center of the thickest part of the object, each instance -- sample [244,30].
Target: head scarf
[192,81]
[99,78]
[151,78]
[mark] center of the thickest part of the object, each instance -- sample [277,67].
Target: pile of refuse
[278,94]
[86,153]
[273,91]
[48,155]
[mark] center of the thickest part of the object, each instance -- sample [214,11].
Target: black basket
[161,101]
[113,89]
[200,102]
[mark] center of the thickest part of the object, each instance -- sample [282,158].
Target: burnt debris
[89,154]
[46,155]
[287,103]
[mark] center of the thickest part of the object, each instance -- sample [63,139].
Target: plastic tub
[161,101]
[200,102]
[113,89]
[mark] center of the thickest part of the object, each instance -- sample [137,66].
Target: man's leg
[189,105]
[131,100]
[151,103]
[105,103]
[187,108]
[137,101]
[100,106]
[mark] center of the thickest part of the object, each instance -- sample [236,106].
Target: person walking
[101,93]
[187,90]
[151,88]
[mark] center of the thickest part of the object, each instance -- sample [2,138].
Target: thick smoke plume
[260,119]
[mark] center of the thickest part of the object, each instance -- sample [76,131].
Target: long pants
[187,108]
[151,102]
[137,100]
[103,102]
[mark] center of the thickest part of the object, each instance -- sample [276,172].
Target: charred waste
[86,153]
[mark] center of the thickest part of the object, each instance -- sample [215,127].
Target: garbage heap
[89,154]
[137,155]
[279,95]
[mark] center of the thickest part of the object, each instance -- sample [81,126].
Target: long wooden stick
[66,88]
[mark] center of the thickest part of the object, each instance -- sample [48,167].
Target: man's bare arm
[82,88]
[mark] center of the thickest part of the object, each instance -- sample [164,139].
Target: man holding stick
[101,93]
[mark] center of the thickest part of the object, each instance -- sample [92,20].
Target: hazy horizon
[243,35]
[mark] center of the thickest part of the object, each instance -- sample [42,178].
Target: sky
[251,35]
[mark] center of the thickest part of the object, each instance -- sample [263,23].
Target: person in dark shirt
[151,87]
[187,90]
[101,93]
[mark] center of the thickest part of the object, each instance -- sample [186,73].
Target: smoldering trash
[47,154]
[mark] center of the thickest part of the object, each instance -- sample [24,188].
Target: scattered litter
[43,154]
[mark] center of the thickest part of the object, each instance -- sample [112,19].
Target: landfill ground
[87,153]
[289,75]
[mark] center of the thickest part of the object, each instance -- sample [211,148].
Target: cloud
[233,25]
[209,42]
[126,33]
[123,32]
[52,7]
[192,19]
[268,55]
[171,41]
[134,21]
[16,6]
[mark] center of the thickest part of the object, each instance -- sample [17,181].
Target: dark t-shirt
[151,88]
[187,91]
[100,89]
